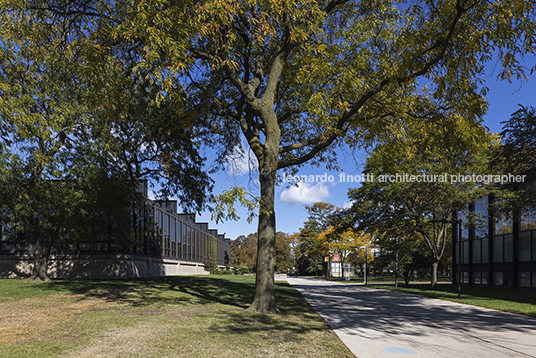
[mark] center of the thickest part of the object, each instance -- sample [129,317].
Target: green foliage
[317,221]
[224,208]
[241,269]
[518,137]
[516,155]
[420,211]
[211,263]
[298,77]
[244,251]
[283,258]
[316,264]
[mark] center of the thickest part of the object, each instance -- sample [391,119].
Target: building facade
[495,250]
[160,242]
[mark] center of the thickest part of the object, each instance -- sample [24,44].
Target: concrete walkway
[379,323]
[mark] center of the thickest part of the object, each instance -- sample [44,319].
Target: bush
[241,269]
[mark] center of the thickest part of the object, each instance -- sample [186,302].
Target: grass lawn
[180,316]
[515,301]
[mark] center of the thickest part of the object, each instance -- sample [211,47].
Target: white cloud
[348,204]
[305,193]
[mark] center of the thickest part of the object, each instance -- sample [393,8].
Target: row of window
[526,279]
[502,225]
[155,232]
[185,241]
[503,248]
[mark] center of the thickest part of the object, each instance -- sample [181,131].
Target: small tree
[211,262]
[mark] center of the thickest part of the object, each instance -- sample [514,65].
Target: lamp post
[459,243]
[364,264]
[396,265]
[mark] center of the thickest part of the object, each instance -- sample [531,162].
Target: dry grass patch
[35,318]
[131,341]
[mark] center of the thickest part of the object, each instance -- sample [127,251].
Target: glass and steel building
[495,250]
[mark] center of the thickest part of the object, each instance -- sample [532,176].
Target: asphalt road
[378,323]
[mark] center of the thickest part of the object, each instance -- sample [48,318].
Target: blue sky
[290,203]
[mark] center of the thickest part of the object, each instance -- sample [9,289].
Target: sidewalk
[379,323]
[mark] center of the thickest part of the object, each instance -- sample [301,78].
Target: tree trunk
[40,266]
[433,278]
[407,274]
[264,301]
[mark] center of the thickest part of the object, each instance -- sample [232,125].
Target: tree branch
[345,118]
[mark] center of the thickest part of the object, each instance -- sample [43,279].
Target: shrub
[241,269]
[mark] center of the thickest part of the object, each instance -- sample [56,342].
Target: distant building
[164,243]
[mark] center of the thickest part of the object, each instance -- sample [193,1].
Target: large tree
[42,106]
[79,127]
[297,77]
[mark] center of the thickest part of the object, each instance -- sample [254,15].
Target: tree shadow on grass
[279,327]
[203,290]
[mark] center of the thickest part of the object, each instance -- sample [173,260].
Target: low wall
[100,266]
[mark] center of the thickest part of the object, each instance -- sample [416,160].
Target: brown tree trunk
[264,300]
[433,278]
[407,274]
[40,264]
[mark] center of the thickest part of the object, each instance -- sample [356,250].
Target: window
[534,245]
[524,279]
[465,252]
[481,218]
[477,278]
[504,225]
[498,248]
[508,248]
[189,251]
[166,226]
[485,250]
[159,219]
[523,248]
[484,278]
[462,215]
[528,220]
[465,277]
[336,267]
[498,278]
[172,230]
[476,251]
